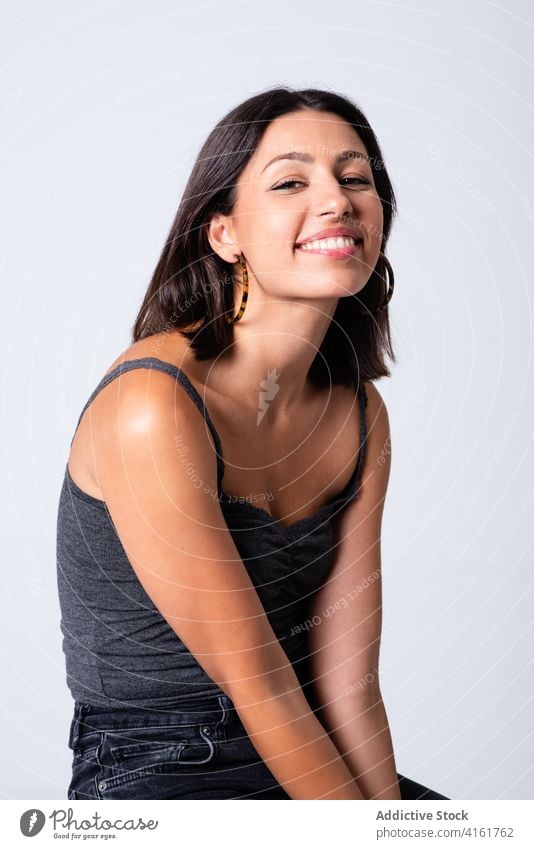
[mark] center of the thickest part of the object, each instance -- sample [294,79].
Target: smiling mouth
[336,246]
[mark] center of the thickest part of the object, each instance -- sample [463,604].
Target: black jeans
[199,752]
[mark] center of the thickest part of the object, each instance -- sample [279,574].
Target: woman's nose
[330,197]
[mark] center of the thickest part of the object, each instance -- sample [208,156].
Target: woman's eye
[288,183]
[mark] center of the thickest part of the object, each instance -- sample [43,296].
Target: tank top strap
[181,377]
[362,396]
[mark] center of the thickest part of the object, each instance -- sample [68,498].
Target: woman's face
[283,203]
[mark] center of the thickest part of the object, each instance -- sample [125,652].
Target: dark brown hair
[187,287]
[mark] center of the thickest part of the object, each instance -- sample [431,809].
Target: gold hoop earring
[391,286]
[244,297]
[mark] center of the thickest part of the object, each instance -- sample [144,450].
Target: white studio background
[104,106]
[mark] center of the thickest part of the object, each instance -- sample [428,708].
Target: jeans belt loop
[80,711]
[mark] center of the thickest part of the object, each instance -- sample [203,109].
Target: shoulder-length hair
[188,290]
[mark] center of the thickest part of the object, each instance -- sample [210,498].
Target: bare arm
[173,531]
[346,642]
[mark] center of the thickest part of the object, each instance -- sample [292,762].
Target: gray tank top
[119,649]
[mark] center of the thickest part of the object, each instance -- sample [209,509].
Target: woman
[223,643]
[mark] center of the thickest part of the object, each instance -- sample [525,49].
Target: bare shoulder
[377,414]
[378,439]
[146,402]
[152,434]
[365,512]
[138,401]
[375,401]
[169,347]
[153,390]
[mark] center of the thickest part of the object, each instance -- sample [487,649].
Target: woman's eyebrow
[307,157]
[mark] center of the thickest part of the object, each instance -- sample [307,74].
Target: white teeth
[329,244]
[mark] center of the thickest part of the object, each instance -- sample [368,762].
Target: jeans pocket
[85,769]
[87,747]
[140,767]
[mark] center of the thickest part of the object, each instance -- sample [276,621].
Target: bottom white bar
[328,824]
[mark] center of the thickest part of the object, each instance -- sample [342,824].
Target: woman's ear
[219,233]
